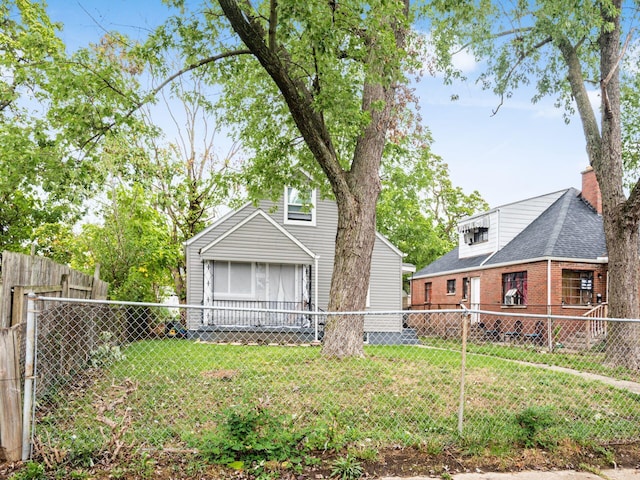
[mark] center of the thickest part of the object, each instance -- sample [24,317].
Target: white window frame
[235,296]
[289,221]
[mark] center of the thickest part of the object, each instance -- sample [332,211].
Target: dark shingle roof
[569,228]
[450,261]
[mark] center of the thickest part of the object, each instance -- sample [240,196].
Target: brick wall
[591,189]
[491,289]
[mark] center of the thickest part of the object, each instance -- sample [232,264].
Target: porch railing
[596,327]
[287,314]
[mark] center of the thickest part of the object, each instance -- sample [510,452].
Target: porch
[260,321]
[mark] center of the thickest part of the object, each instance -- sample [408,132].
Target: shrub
[107,352]
[254,436]
[532,421]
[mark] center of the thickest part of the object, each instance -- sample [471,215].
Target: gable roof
[248,243]
[569,229]
[216,222]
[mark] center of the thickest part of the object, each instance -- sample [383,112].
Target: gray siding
[385,289]
[256,241]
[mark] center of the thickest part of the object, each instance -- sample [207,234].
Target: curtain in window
[517,281]
[240,282]
[282,283]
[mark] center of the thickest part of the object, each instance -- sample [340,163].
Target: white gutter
[549,286]
[315,294]
[600,261]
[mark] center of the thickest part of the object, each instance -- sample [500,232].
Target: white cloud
[464,61]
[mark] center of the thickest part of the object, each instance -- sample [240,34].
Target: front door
[474,303]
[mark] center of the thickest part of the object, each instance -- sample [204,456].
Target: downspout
[315,295]
[549,319]
[549,286]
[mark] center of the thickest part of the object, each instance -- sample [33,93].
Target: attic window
[300,206]
[476,235]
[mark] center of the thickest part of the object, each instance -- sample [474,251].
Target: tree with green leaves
[309,86]
[132,246]
[38,182]
[566,47]
[189,176]
[419,208]
[53,106]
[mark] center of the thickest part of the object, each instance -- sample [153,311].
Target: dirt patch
[391,462]
[226,375]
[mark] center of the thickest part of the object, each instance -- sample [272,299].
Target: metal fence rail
[110,374]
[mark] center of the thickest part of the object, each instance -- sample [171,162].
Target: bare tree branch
[156,90]
[607,79]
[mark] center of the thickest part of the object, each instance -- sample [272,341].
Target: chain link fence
[111,376]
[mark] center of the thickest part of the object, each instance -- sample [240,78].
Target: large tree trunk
[355,238]
[620,216]
[343,334]
[356,189]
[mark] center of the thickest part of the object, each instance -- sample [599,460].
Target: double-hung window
[451,286]
[300,206]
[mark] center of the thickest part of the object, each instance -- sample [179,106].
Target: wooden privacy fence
[20,275]
[11,359]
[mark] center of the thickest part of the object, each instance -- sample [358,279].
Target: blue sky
[523,151]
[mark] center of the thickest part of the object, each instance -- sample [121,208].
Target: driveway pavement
[609,474]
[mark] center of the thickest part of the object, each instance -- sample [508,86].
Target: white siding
[482,248]
[505,223]
[515,217]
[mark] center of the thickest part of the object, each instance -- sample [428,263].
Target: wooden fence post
[65,285]
[17,308]
[94,282]
[10,399]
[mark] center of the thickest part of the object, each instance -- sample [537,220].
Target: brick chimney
[591,190]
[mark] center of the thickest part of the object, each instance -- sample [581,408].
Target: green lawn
[173,393]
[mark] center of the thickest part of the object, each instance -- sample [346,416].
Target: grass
[591,361]
[173,393]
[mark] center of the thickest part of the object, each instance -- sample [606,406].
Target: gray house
[279,256]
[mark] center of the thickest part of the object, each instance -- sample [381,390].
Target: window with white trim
[514,288]
[251,281]
[233,279]
[299,206]
[577,287]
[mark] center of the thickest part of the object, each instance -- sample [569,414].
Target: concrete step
[409,337]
